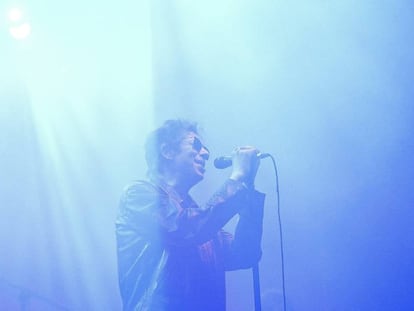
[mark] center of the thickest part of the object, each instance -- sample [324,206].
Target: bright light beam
[15,15]
[19,29]
[20,32]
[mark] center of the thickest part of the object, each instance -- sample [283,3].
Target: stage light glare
[15,15]
[20,32]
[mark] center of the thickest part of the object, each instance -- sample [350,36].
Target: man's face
[189,161]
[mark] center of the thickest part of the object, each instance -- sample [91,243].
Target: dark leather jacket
[172,254]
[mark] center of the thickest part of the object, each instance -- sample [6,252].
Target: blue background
[325,86]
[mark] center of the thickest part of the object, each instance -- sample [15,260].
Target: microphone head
[226,161]
[263,155]
[222,162]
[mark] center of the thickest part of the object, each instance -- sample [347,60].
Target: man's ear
[167,152]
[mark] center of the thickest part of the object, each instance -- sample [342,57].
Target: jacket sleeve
[148,210]
[140,253]
[244,250]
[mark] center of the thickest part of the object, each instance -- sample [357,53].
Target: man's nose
[204,153]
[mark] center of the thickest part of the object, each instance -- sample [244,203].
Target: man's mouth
[201,164]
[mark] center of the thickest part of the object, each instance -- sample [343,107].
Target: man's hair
[169,134]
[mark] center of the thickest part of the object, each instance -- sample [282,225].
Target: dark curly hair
[170,133]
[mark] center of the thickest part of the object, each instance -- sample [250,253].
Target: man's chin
[198,177]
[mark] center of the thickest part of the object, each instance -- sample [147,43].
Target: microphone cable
[280,232]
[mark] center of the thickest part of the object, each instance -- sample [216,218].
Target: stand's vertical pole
[256,286]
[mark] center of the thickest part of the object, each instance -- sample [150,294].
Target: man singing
[173,254]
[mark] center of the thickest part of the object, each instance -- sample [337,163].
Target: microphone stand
[256,287]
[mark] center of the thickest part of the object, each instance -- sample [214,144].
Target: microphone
[226,161]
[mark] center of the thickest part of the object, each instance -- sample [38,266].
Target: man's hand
[245,165]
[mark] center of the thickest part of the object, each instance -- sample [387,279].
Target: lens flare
[15,15]
[20,32]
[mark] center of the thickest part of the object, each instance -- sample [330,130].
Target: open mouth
[201,164]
